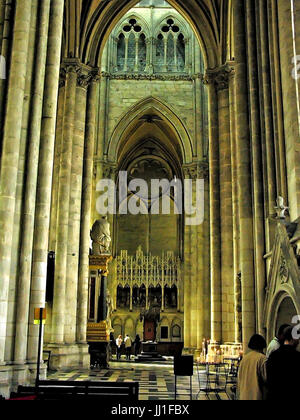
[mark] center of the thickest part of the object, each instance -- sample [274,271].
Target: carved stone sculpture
[100,235]
[281,209]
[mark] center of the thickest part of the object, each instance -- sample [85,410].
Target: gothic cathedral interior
[195,96]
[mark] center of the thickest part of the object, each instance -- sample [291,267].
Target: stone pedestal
[69,356]
[98,333]
[100,263]
[11,376]
[149,354]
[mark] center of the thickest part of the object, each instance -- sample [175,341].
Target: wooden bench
[74,390]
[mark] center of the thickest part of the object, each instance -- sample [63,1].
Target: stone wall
[124,94]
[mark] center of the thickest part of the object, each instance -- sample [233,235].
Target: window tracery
[139,51]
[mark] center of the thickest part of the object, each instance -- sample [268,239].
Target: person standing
[128,346]
[119,342]
[137,345]
[252,376]
[278,341]
[283,369]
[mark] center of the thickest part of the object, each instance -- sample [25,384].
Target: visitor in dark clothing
[137,345]
[283,369]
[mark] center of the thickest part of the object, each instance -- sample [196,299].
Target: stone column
[244,174]
[206,257]
[261,63]
[136,66]
[215,236]
[10,153]
[43,198]
[202,280]
[261,240]
[193,272]
[196,279]
[151,46]
[5,52]
[289,45]
[64,189]
[30,189]
[88,165]
[221,80]
[187,43]
[175,54]
[75,207]
[198,86]
[102,114]
[126,54]
[278,120]
[57,156]
[21,180]
[187,294]
[187,298]
[235,209]
[165,54]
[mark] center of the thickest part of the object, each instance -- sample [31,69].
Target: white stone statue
[281,209]
[100,235]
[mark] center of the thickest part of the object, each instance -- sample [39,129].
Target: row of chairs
[218,379]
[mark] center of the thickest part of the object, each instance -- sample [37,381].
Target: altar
[150,353]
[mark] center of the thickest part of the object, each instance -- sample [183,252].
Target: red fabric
[31,398]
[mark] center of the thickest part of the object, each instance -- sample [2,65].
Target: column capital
[220,76]
[196,170]
[95,75]
[85,74]
[108,169]
[70,65]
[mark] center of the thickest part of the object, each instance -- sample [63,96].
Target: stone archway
[100,19]
[282,311]
[283,291]
[286,312]
[157,108]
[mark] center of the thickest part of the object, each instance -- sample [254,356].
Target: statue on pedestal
[100,235]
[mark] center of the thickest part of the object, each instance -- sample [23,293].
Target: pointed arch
[283,282]
[104,16]
[162,110]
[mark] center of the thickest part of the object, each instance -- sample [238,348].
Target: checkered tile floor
[157,382]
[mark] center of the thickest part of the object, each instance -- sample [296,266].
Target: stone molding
[142,76]
[100,262]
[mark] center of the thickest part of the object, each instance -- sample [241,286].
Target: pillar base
[12,376]
[69,356]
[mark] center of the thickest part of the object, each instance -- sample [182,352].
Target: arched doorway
[286,312]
